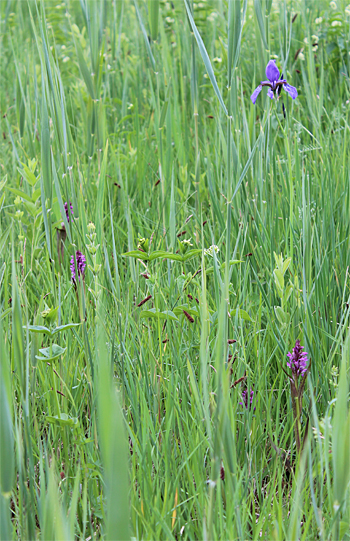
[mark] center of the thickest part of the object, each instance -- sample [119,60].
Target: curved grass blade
[143,30]
[205,58]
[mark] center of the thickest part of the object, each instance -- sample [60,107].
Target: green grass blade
[205,58]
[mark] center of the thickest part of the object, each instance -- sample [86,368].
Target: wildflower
[66,209]
[210,251]
[247,397]
[143,245]
[274,83]
[297,360]
[297,364]
[184,245]
[318,20]
[80,262]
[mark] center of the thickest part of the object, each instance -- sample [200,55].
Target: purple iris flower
[81,264]
[297,360]
[66,209]
[274,83]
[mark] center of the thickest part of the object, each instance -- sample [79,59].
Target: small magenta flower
[297,360]
[80,261]
[247,399]
[274,83]
[66,209]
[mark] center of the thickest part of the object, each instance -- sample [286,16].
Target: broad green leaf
[138,254]
[286,264]
[63,420]
[191,253]
[31,208]
[281,315]
[210,270]
[279,280]
[153,313]
[165,255]
[343,528]
[36,195]
[287,293]
[242,314]
[64,327]
[24,195]
[28,175]
[48,355]
[178,311]
[38,329]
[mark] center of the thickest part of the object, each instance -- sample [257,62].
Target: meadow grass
[123,402]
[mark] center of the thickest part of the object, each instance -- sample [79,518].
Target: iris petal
[270,93]
[256,93]
[292,91]
[272,71]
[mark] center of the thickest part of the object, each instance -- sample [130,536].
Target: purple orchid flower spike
[297,360]
[274,83]
[80,261]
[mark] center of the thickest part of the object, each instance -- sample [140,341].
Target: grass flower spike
[274,83]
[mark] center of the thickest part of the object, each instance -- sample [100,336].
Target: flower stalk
[299,371]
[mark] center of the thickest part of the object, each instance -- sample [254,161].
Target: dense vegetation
[148,395]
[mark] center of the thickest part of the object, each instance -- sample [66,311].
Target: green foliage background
[139,114]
